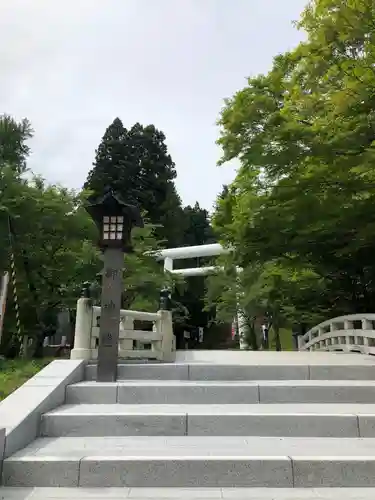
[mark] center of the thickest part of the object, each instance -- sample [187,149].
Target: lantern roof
[112,203]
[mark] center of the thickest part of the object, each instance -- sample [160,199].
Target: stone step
[222,392]
[299,420]
[9,493]
[189,461]
[235,356]
[268,370]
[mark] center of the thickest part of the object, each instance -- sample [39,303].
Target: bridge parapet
[350,333]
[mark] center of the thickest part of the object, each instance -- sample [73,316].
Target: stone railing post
[166,328]
[82,335]
[157,346]
[296,339]
[366,325]
[127,323]
[301,342]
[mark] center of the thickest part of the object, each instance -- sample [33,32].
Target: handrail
[341,334]
[131,343]
[140,315]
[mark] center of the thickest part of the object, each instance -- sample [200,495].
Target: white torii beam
[170,254]
[193,271]
[212,250]
[194,251]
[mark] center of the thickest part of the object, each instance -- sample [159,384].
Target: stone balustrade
[156,343]
[350,333]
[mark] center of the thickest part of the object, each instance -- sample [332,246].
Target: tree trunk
[251,337]
[276,328]
[277,338]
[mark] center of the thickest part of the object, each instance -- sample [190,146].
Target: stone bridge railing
[351,333]
[158,342]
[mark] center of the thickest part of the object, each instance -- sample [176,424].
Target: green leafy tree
[51,242]
[197,230]
[136,163]
[304,136]
[14,149]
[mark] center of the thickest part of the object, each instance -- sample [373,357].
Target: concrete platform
[187,493]
[298,420]
[222,392]
[193,462]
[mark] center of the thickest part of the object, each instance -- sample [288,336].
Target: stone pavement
[187,493]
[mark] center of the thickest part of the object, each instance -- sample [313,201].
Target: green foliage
[144,276]
[13,143]
[300,211]
[198,230]
[136,164]
[53,239]
[14,373]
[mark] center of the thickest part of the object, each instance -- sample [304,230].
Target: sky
[73,66]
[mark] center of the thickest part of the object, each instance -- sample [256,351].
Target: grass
[285,337]
[15,372]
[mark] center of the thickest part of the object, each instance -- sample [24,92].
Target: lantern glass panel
[106,228]
[106,236]
[105,219]
[112,236]
[119,236]
[120,220]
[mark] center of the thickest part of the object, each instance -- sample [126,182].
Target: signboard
[110,315]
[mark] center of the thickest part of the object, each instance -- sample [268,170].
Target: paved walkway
[187,493]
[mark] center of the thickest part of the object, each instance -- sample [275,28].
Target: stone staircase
[212,425]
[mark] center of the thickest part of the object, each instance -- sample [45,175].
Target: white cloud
[73,66]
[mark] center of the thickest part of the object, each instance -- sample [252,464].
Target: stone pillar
[82,336]
[126,324]
[168,264]
[366,325]
[300,343]
[167,343]
[157,346]
[110,315]
[295,337]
